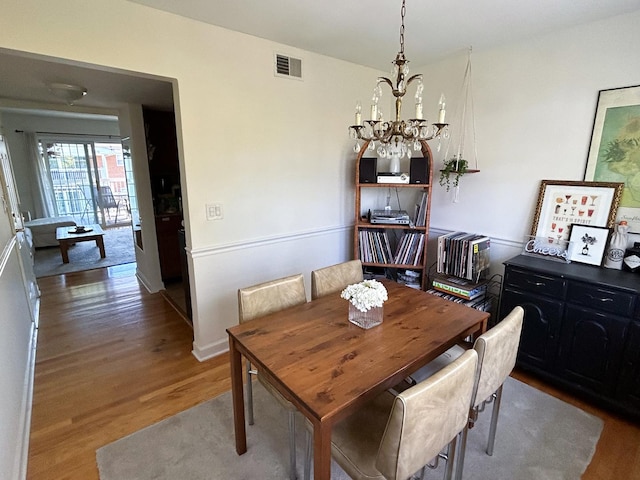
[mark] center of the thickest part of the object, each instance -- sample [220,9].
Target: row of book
[375,248]
[465,255]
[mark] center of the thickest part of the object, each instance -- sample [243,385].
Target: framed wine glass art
[614,152]
[563,203]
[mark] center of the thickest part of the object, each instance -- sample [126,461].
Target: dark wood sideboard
[581,328]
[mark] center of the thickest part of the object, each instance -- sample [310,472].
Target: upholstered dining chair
[334,278]
[497,350]
[392,437]
[260,300]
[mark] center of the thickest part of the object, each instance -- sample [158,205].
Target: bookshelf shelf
[398,249]
[367,224]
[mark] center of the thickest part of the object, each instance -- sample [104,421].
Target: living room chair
[260,300]
[393,437]
[334,278]
[497,351]
[107,201]
[102,198]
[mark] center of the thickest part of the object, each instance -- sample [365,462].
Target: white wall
[274,152]
[534,107]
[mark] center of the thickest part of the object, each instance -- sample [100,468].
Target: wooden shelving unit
[362,222]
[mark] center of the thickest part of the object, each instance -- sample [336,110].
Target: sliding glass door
[88,180]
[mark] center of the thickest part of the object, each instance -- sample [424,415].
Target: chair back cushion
[268,297]
[334,278]
[497,350]
[426,417]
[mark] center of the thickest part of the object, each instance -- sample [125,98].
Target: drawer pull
[536,284]
[600,299]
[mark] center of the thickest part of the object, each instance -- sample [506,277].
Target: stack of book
[459,290]
[465,255]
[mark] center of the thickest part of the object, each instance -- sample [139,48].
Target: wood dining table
[328,367]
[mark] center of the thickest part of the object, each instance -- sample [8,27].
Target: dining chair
[260,300]
[497,351]
[334,278]
[394,436]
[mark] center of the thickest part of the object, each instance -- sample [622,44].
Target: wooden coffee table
[66,237]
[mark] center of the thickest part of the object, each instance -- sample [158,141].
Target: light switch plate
[214,211]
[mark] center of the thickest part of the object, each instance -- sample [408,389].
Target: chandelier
[398,137]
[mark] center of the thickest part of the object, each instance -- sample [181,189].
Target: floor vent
[288,66]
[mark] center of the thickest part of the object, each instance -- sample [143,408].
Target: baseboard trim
[209,351]
[146,283]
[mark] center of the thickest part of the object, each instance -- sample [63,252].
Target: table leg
[100,244]
[237,393]
[64,250]
[322,451]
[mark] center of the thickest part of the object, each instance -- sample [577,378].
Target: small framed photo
[590,243]
[562,203]
[614,148]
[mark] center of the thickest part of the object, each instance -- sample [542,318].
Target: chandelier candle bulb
[358,113]
[442,110]
[374,112]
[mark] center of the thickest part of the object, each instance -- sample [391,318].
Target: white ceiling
[25,80]
[368,32]
[361,32]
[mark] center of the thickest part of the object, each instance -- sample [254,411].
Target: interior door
[14,225]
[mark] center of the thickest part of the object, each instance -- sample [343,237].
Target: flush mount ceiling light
[67,92]
[397,135]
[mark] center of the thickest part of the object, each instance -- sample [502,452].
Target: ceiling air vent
[288,66]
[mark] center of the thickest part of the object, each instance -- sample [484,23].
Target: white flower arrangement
[365,295]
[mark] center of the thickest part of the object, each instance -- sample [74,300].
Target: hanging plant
[453,169]
[461,163]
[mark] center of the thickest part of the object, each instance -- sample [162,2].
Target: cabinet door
[540,331]
[167,227]
[591,348]
[629,383]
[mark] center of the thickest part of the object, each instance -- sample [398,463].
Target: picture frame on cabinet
[615,148]
[590,244]
[562,203]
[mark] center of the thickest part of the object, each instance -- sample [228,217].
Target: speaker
[368,170]
[418,169]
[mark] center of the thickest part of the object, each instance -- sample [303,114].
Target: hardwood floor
[112,359]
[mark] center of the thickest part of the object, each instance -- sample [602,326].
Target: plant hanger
[458,165]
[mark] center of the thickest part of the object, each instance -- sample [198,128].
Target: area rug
[118,245]
[539,438]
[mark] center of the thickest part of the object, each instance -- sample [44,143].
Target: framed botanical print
[590,244]
[562,203]
[614,153]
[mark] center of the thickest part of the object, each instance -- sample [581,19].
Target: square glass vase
[368,319]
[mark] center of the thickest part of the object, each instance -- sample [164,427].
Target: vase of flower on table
[365,302]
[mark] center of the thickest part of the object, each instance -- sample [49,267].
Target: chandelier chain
[403,10]
[398,136]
